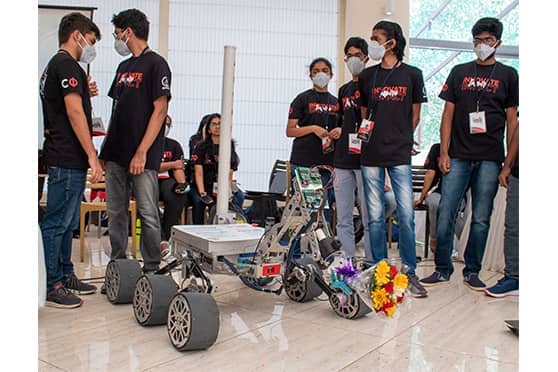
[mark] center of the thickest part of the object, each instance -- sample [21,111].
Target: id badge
[354,144]
[365,130]
[327,145]
[477,122]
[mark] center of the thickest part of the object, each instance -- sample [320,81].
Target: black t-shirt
[431,162]
[195,140]
[348,119]
[206,154]
[172,152]
[312,108]
[63,75]
[499,92]
[392,94]
[138,82]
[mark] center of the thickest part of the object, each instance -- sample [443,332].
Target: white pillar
[223,189]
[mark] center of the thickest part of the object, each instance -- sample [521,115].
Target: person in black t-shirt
[391,94]
[481,100]
[312,117]
[347,153]
[68,152]
[199,136]
[509,178]
[172,184]
[206,165]
[133,148]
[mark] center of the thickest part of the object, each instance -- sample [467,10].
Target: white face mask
[88,52]
[483,51]
[376,51]
[121,47]
[321,79]
[355,65]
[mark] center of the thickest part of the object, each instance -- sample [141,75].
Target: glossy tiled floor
[454,329]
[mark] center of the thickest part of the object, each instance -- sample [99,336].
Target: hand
[96,169]
[444,163]
[93,90]
[178,164]
[319,131]
[137,165]
[386,188]
[503,177]
[419,201]
[335,133]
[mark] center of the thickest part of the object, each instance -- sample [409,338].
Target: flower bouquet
[381,287]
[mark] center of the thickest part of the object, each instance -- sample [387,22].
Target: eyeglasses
[215,124]
[358,55]
[484,40]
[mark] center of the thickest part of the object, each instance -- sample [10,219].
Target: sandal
[180,188]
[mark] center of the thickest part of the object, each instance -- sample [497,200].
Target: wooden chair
[99,206]
[419,172]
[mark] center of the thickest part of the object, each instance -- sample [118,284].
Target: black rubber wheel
[303,291]
[193,321]
[353,308]
[152,297]
[240,217]
[120,280]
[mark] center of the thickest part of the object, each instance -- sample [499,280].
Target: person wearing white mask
[312,116]
[392,93]
[133,148]
[481,99]
[68,151]
[347,154]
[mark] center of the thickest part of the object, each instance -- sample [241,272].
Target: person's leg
[345,183]
[402,183]
[363,215]
[56,226]
[373,179]
[484,185]
[511,232]
[390,203]
[198,207]
[432,201]
[76,185]
[145,188]
[118,200]
[454,184]
[173,206]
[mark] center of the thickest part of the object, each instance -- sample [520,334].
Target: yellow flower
[382,268]
[401,281]
[379,298]
[389,311]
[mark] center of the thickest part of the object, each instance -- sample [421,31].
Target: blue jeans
[482,177]
[402,184]
[145,187]
[511,231]
[346,181]
[65,192]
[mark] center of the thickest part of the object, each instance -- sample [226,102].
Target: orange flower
[401,281]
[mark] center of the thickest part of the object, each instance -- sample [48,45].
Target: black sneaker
[415,288]
[472,281]
[62,298]
[434,279]
[104,289]
[73,283]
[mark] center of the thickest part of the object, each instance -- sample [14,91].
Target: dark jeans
[65,190]
[173,203]
[482,176]
[198,206]
[145,188]
[511,231]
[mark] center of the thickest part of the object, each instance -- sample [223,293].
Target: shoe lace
[73,280]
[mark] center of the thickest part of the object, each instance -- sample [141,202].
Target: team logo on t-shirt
[167,156]
[351,102]
[71,82]
[129,79]
[165,83]
[480,83]
[390,93]
[445,87]
[323,108]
